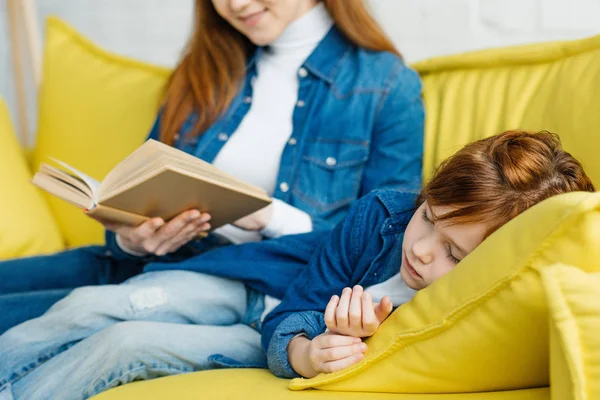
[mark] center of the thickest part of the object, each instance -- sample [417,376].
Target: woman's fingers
[139,235]
[174,231]
[187,233]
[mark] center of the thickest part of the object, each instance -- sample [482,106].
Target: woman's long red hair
[213,66]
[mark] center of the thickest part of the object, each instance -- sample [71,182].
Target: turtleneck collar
[305,33]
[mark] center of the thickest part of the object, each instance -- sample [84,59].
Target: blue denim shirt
[306,270]
[365,249]
[358,126]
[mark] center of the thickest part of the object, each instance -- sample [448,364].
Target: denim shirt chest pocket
[330,172]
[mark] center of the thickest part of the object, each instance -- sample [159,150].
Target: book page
[64,189]
[89,181]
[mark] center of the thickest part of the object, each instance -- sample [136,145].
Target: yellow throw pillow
[545,86]
[26,224]
[574,302]
[484,326]
[95,108]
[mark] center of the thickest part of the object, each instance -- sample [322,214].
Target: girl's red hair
[493,180]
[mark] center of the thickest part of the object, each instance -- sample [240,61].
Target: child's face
[432,248]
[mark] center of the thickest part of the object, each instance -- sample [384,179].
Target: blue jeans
[155,324]
[29,286]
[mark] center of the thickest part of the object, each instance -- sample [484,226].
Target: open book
[156,180]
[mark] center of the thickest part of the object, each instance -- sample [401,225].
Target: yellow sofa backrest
[95,109]
[548,86]
[106,108]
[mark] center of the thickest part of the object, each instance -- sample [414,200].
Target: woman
[308,100]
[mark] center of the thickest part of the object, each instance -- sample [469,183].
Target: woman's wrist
[286,220]
[127,248]
[298,357]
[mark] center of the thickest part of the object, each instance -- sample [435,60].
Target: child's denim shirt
[365,249]
[306,270]
[357,126]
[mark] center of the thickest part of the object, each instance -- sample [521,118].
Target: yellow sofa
[96,107]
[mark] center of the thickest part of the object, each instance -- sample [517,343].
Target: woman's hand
[257,220]
[328,352]
[354,314]
[157,237]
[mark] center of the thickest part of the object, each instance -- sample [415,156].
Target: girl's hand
[257,220]
[354,314]
[328,352]
[157,237]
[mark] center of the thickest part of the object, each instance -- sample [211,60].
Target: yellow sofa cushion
[95,108]
[260,384]
[484,326]
[26,224]
[574,302]
[547,86]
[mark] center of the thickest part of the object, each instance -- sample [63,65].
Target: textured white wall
[155,30]
[426,28]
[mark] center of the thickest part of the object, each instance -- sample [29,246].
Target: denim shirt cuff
[308,323]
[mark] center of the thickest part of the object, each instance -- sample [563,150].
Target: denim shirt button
[300,103]
[330,161]
[223,137]
[247,99]
[292,141]
[284,187]
[302,72]
[108,253]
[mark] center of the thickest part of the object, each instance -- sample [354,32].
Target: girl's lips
[252,19]
[413,272]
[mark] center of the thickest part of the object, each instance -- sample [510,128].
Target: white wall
[426,28]
[155,30]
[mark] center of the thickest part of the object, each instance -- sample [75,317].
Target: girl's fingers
[369,320]
[330,313]
[334,340]
[383,309]
[341,352]
[355,309]
[341,314]
[337,365]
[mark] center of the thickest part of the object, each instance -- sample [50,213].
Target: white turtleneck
[253,152]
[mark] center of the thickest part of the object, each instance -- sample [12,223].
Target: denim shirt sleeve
[396,158]
[309,323]
[332,268]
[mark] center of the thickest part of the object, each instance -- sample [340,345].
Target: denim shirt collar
[324,60]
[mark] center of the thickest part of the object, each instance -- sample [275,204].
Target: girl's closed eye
[425,217]
[450,256]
